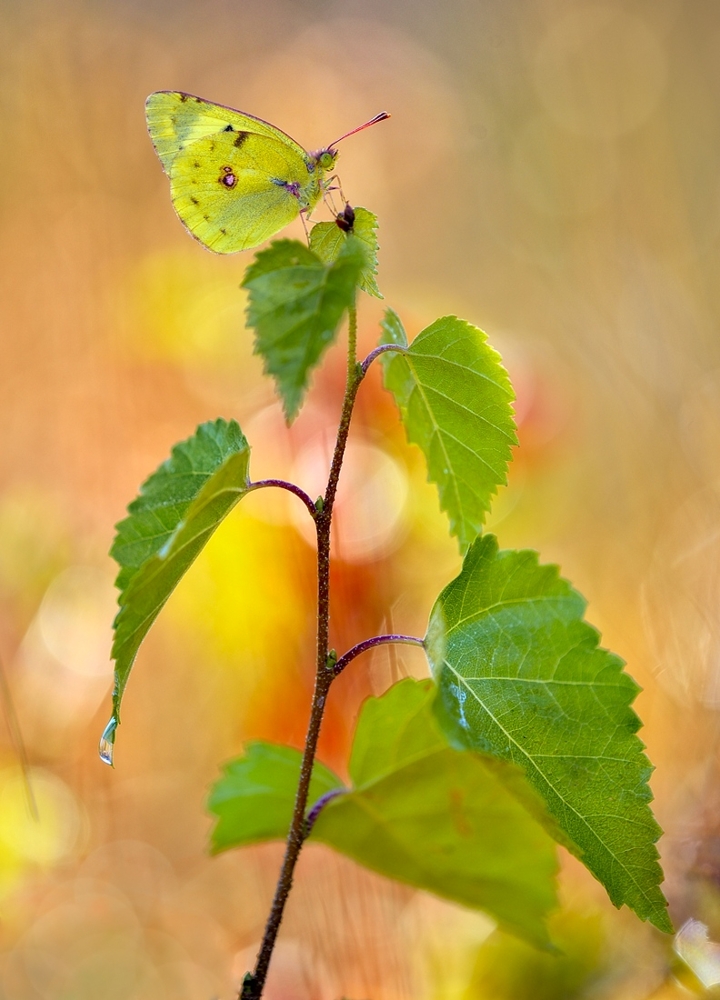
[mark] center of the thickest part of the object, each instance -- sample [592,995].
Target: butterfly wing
[174,120]
[235,180]
[234,197]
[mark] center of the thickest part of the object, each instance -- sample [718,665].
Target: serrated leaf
[427,815]
[455,400]
[521,677]
[176,512]
[296,304]
[327,240]
[254,799]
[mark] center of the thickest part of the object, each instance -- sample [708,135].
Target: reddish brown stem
[254,982]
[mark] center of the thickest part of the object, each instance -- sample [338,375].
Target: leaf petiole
[378,640]
[382,349]
[291,488]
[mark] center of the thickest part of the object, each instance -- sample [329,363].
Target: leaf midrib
[184,522]
[443,359]
[436,431]
[163,563]
[407,762]
[531,761]
[512,440]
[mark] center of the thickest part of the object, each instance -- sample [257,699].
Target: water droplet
[106,748]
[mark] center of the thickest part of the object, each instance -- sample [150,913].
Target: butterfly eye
[326,159]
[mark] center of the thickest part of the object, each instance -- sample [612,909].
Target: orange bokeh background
[550,172]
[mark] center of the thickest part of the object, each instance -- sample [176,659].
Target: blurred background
[550,172]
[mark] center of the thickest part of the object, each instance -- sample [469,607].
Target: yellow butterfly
[235,180]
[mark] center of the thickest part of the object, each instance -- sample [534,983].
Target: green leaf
[279,255]
[455,400]
[295,306]
[327,240]
[176,512]
[394,730]
[521,677]
[446,821]
[254,799]
[508,969]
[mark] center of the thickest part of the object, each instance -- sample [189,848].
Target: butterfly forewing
[176,120]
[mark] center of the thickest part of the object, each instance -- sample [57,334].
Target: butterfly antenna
[373,121]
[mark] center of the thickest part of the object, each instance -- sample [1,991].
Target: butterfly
[235,180]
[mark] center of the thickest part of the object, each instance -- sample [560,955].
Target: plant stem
[254,983]
[253,986]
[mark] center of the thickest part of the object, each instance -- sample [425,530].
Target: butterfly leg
[328,187]
[303,212]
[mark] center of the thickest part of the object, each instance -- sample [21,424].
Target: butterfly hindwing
[233,190]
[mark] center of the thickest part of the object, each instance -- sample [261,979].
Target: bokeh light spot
[75,620]
[51,835]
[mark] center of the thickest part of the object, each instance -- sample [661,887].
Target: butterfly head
[325,158]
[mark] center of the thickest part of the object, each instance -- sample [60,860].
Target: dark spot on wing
[240,138]
[224,232]
[184,97]
[212,147]
[196,164]
[228,128]
[206,217]
[194,200]
[227,177]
